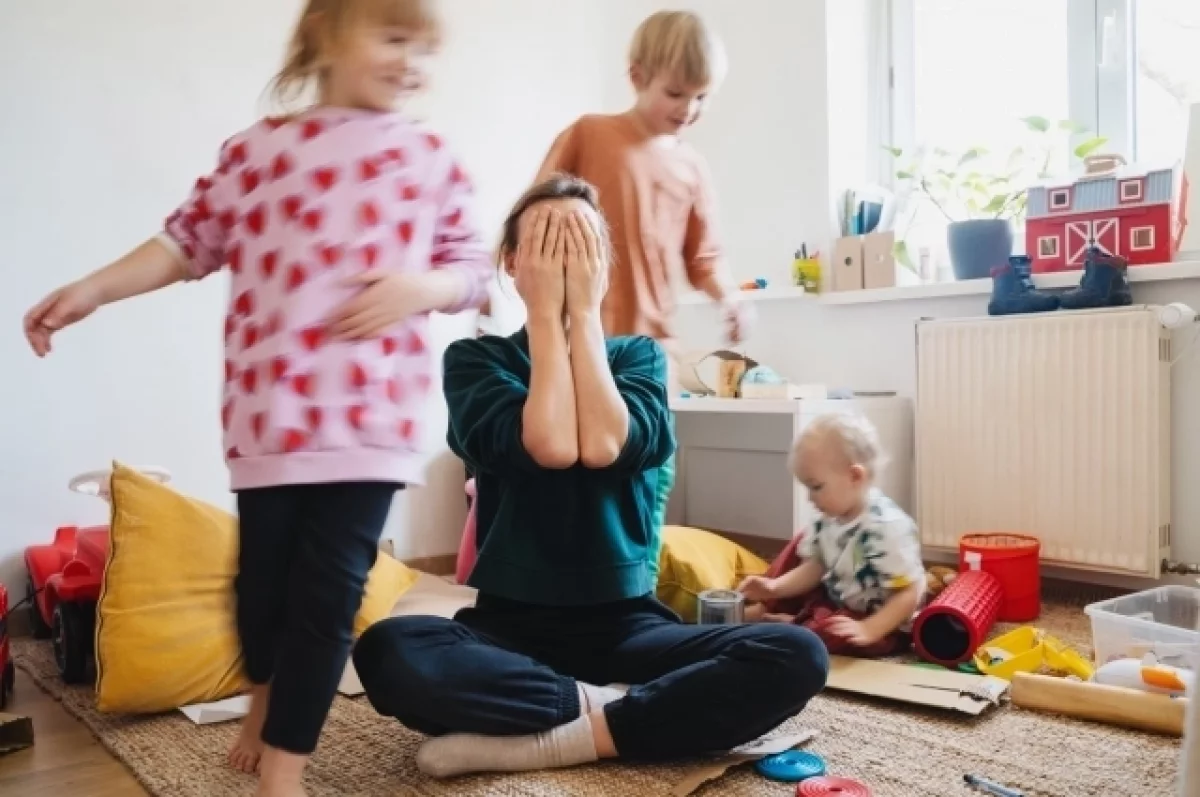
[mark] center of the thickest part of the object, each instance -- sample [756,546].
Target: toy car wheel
[7,683]
[37,623]
[72,635]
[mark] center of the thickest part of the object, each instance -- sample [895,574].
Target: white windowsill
[1182,270]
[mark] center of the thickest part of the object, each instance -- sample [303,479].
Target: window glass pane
[1168,75]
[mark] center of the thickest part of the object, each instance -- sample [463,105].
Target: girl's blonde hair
[851,434]
[322,28]
[679,43]
[556,186]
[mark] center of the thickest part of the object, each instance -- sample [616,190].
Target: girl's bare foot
[245,753]
[281,774]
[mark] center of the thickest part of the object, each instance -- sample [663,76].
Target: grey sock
[463,753]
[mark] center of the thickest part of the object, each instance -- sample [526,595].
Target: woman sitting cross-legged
[566,432]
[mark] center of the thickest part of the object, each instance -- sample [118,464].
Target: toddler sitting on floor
[855,577]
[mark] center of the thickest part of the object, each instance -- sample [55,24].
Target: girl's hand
[587,273]
[387,298]
[758,588]
[63,307]
[540,273]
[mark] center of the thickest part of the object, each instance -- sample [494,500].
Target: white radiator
[1055,425]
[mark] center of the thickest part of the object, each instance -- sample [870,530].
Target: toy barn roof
[1122,173]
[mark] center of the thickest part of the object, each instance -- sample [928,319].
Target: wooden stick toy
[1113,705]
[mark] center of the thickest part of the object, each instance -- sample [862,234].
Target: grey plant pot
[978,245]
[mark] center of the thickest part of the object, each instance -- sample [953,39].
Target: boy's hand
[63,307]
[587,271]
[739,319]
[758,588]
[387,298]
[855,632]
[540,264]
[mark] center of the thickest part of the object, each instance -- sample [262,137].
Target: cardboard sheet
[16,733]
[759,748]
[947,689]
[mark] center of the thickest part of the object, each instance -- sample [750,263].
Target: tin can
[720,607]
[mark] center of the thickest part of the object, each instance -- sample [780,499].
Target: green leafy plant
[978,184]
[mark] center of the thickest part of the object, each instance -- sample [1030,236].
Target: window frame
[1133,233]
[1044,239]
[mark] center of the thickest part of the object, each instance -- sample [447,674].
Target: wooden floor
[65,758]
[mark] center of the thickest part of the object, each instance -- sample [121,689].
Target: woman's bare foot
[245,753]
[281,774]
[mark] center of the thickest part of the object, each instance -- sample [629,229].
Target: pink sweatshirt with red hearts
[294,209]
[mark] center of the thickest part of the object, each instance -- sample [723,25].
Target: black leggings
[504,668]
[304,558]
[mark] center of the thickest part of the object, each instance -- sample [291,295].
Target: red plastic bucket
[1013,560]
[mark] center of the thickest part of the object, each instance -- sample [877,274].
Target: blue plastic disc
[791,766]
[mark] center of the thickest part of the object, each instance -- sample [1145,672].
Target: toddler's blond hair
[852,435]
[322,27]
[679,43]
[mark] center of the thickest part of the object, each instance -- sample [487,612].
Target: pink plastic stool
[466,548]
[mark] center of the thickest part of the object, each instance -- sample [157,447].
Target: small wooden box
[846,265]
[879,260]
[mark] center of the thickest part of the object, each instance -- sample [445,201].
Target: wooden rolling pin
[1114,705]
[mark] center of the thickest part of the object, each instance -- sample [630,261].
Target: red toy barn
[1132,213]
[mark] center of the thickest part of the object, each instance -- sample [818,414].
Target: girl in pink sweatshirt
[342,227]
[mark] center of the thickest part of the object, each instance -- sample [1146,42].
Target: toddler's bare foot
[281,774]
[246,752]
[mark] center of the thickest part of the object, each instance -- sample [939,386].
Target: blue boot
[1013,291]
[1104,283]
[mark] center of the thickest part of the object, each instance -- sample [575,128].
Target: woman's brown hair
[556,186]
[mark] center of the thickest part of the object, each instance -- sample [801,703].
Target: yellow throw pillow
[165,628]
[694,560]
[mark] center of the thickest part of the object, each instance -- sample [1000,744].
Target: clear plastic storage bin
[1164,621]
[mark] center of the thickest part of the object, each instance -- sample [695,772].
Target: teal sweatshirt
[572,537]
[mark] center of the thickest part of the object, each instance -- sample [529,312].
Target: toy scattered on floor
[955,624]
[831,787]
[65,579]
[1014,560]
[791,766]
[1113,705]
[1146,675]
[720,607]
[937,579]
[991,787]
[1028,649]
[757,284]
[7,672]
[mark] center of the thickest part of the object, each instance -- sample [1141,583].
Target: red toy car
[64,580]
[7,672]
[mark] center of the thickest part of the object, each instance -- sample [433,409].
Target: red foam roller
[956,623]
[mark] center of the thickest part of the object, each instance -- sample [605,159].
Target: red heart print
[357,416]
[256,219]
[249,380]
[230,326]
[238,153]
[258,422]
[312,219]
[311,129]
[244,303]
[279,367]
[395,391]
[229,371]
[390,345]
[249,336]
[368,169]
[228,220]
[226,414]
[296,277]
[414,343]
[275,122]
[303,385]
[423,382]
[405,230]
[274,324]
[294,440]
[290,206]
[368,214]
[457,175]
[410,192]
[330,255]
[407,429]
[268,262]
[281,167]
[396,156]
[233,453]
[369,253]
[249,178]
[325,178]
[358,376]
[203,184]
[200,210]
[433,141]
[312,338]
[235,258]
[455,218]
[313,416]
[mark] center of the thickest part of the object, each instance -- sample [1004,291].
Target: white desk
[731,464]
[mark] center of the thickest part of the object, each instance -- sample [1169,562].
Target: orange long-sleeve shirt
[658,202]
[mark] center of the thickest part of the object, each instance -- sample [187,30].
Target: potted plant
[982,195]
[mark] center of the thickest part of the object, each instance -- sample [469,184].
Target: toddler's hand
[387,298]
[739,319]
[853,631]
[63,307]
[757,588]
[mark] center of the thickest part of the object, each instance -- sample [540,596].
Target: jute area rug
[898,751]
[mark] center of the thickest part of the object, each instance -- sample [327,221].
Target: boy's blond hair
[851,434]
[679,43]
[322,26]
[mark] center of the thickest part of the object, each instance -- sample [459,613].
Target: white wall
[111,110]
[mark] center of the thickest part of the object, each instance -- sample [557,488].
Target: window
[1131,190]
[1060,199]
[1141,238]
[1048,246]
